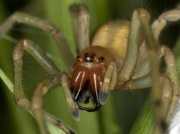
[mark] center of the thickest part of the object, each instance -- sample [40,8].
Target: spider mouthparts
[85,84]
[86,100]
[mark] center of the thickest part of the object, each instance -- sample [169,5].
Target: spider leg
[132,50]
[37,102]
[166,86]
[146,81]
[138,83]
[172,74]
[19,17]
[43,87]
[153,50]
[109,82]
[28,46]
[73,107]
[80,21]
[161,22]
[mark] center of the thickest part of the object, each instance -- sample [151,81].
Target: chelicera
[117,58]
[88,75]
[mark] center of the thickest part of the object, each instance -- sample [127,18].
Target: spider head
[87,78]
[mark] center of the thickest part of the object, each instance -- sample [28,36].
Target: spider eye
[101,59]
[93,54]
[86,54]
[78,58]
[89,57]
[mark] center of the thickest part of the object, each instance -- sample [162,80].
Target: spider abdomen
[113,36]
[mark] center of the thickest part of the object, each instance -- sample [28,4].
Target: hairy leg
[19,17]
[80,21]
[59,79]
[153,48]
[132,50]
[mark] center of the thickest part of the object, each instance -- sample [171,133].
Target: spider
[117,58]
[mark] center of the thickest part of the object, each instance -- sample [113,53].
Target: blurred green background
[125,112]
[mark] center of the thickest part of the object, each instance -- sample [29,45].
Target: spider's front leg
[173,92]
[57,78]
[132,51]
